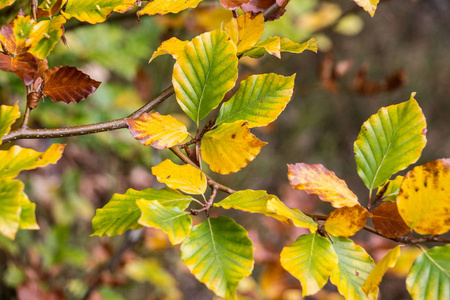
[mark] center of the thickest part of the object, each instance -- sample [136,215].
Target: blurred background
[363,64]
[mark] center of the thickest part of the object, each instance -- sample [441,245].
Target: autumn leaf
[92,11]
[172,46]
[48,8]
[391,192]
[346,221]
[185,178]
[424,198]
[14,35]
[369,5]
[158,131]
[8,115]
[316,179]
[297,217]
[10,191]
[245,31]
[24,65]
[45,35]
[5,3]
[271,45]
[230,147]
[27,213]
[68,84]
[233,4]
[388,222]
[260,6]
[286,45]
[163,7]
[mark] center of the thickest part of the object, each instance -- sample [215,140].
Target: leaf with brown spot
[388,222]
[68,84]
[24,65]
[46,9]
[346,221]
[15,34]
[316,179]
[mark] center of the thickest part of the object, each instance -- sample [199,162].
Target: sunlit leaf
[45,35]
[10,191]
[167,6]
[204,73]
[92,11]
[424,197]
[27,214]
[245,31]
[125,6]
[297,217]
[259,100]
[24,65]
[185,178]
[286,45]
[157,130]
[49,8]
[251,201]
[374,279]
[388,222]
[429,277]
[8,115]
[68,84]
[5,3]
[121,212]
[233,4]
[390,194]
[17,159]
[15,34]
[219,253]
[230,147]
[176,223]
[346,221]
[172,46]
[390,141]
[369,5]
[271,45]
[311,259]
[354,266]
[318,180]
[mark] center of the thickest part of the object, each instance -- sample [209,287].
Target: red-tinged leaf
[260,6]
[15,34]
[24,65]
[7,37]
[233,4]
[68,84]
[388,222]
[46,10]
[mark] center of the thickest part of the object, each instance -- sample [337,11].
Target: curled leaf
[245,31]
[24,65]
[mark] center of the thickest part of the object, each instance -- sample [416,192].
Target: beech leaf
[316,179]
[369,5]
[260,6]
[185,178]
[172,46]
[10,191]
[271,45]
[24,65]
[259,100]
[230,147]
[245,31]
[388,222]
[48,8]
[233,4]
[391,192]
[163,7]
[286,45]
[45,35]
[346,221]
[156,130]
[5,3]
[27,213]
[424,198]
[93,11]
[68,84]
[8,116]
[297,217]
[14,35]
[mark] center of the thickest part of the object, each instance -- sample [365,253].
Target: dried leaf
[68,84]
[260,6]
[388,222]
[233,4]
[346,221]
[15,34]
[316,179]
[24,65]
[163,7]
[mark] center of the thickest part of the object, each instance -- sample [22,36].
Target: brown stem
[26,118]
[273,8]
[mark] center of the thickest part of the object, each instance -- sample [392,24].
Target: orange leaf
[158,131]
[346,221]
[316,179]
[233,4]
[24,65]
[258,6]
[68,84]
[388,222]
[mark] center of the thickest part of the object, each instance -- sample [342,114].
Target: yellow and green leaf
[230,147]
[424,198]
[245,31]
[219,253]
[27,213]
[204,73]
[346,221]
[311,259]
[92,11]
[176,223]
[271,45]
[45,35]
[297,217]
[286,45]
[259,100]
[163,7]
[10,194]
[172,46]
[391,192]
[8,115]
[369,5]
[390,141]
[5,3]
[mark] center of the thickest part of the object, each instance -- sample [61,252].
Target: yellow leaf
[5,3]
[8,115]
[245,31]
[369,5]
[45,35]
[271,45]
[346,221]
[375,276]
[156,130]
[93,11]
[185,178]
[316,179]
[167,6]
[298,218]
[286,45]
[125,6]
[172,46]
[230,147]
[424,198]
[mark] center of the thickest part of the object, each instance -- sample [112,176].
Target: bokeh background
[363,64]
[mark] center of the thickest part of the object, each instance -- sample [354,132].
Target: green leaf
[429,277]
[390,194]
[259,100]
[390,141]
[8,115]
[167,6]
[297,217]
[175,222]
[271,45]
[5,3]
[311,259]
[286,45]
[219,253]
[354,267]
[17,159]
[92,11]
[27,214]
[45,35]
[10,192]
[251,201]
[121,212]
[204,73]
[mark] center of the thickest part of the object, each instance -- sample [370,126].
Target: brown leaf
[233,4]
[260,6]
[24,65]
[68,84]
[346,221]
[388,222]
[50,11]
